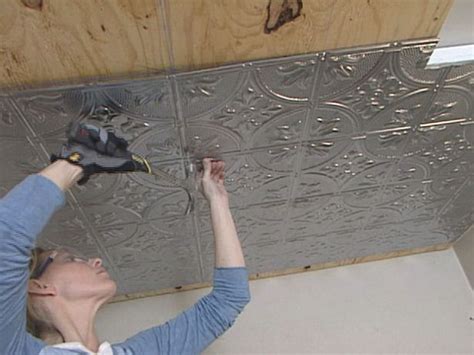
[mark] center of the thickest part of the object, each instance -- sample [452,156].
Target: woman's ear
[37,287]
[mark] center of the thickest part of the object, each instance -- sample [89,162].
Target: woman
[62,293]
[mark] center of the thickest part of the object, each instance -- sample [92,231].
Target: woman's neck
[76,324]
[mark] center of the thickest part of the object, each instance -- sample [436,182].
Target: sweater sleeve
[24,212]
[195,328]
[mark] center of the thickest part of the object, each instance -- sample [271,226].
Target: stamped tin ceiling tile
[381,100]
[280,130]
[290,80]
[129,201]
[463,74]
[365,198]
[250,179]
[158,144]
[314,184]
[255,224]
[369,101]
[68,227]
[145,244]
[20,155]
[339,164]
[11,124]
[396,236]
[128,109]
[136,192]
[322,214]
[318,249]
[148,100]
[405,112]
[266,257]
[152,276]
[260,228]
[327,122]
[251,117]
[410,63]
[441,149]
[412,200]
[210,140]
[389,144]
[342,73]
[150,260]
[19,158]
[49,112]
[451,104]
[409,169]
[202,92]
[281,158]
[458,215]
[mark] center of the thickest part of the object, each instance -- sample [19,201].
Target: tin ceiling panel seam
[314,101]
[188,168]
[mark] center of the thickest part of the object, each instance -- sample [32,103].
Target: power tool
[97,150]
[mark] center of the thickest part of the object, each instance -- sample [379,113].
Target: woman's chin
[109,288]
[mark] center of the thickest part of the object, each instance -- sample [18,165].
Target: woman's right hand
[211,181]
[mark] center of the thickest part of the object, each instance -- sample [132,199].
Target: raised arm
[228,249]
[24,212]
[194,329]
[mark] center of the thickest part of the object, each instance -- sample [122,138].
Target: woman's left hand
[211,181]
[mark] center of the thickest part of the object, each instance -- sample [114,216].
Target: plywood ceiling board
[362,22]
[84,40]
[67,40]
[206,33]
[329,156]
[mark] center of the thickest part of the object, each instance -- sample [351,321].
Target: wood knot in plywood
[33,4]
[281,12]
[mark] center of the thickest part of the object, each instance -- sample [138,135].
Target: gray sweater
[24,212]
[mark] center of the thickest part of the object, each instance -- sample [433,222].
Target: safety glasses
[62,254]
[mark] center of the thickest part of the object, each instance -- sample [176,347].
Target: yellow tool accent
[75,157]
[143,161]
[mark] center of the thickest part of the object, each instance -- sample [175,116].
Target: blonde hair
[37,322]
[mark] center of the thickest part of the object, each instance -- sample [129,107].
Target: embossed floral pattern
[375,94]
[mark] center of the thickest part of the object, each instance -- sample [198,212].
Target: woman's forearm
[228,249]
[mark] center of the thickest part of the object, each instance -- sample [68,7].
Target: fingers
[218,171]
[214,169]
[207,168]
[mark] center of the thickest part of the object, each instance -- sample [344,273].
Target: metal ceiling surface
[328,156]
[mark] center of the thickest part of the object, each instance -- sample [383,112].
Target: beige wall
[419,303]
[464,249]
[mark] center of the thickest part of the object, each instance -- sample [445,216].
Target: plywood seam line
[164,14]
